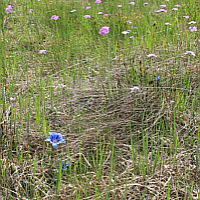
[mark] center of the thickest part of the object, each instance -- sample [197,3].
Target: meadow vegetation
[124,98]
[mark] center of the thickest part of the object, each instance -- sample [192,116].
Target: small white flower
[125,32]
[12,99]
[134,88]
[192,22]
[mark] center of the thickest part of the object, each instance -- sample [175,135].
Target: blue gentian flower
[158,81]
[55,139]
[64,166]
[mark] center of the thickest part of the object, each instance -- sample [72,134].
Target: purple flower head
[158,81]
[135,24]
[163,10]
[100,13]
[178,6]
[186,17]
[125,32]
[131,27]
[42,51]
[163,6]
[167,24]
[55,139]
[129,22]
[98,1]
[134,89]
[54,17]
[192,22]
[88,8]
[30,11]
[175,9]
[146,4]
[73,10]
[106,15]
[151,55]
[104,30]
[9,9]
[119,6]
[87,16]
[190,52]
[192,29]
[132,3]
[131,37]
[64,166]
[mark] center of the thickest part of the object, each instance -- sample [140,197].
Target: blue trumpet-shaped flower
[64,166]
[55,139]
[158,81]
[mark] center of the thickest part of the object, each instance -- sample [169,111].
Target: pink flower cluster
[54,17]
[9,9]
[104,30]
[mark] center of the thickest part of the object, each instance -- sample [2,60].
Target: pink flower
[163,6]
[161,10]
[42,51]
[175,9]
[98,1]
[54,17]
[106,15]
[167,24]
[192,22]
[192,29]
[125,32]
[30,11]
[104,30]
[151,55]
[61,85]
[177,6]
[186,17]
[119,6]
[12,99]
[190,52]
[146,4]
[88,8]
[87,16]
[9,9]
[73,10]
[132,3]
[100,13]
[129,22]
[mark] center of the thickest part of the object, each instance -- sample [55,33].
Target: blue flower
[55,139]
[158,81]
[64,166]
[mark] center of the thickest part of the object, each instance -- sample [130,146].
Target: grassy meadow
[125,100]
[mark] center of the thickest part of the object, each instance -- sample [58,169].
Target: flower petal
[61,141]
[48,139]
[54,145]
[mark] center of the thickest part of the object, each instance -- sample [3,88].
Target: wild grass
[119,144]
